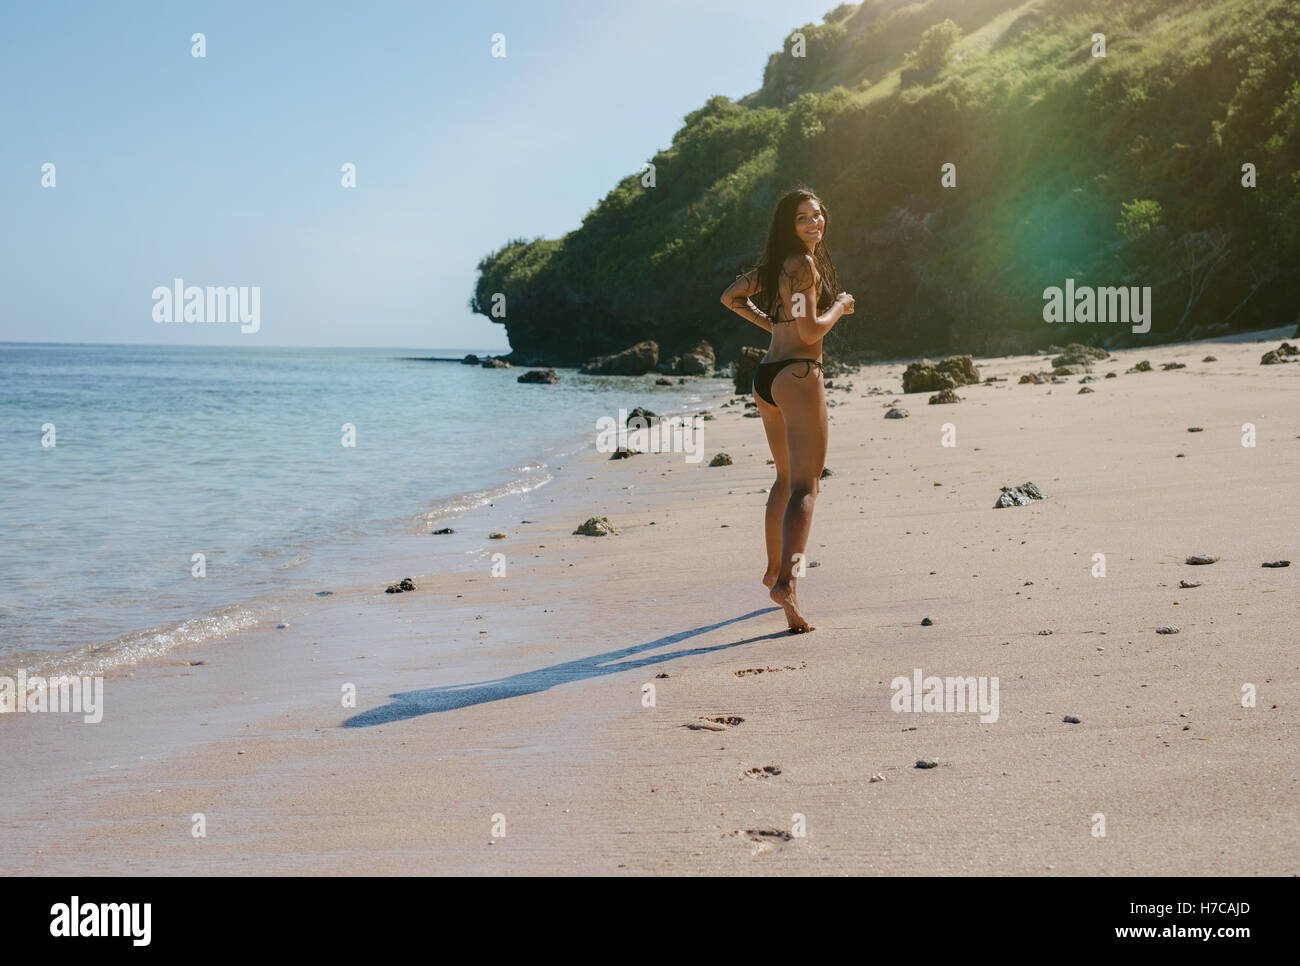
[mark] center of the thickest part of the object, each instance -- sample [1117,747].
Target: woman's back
[786,342]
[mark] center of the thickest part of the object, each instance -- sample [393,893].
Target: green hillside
[1122,170]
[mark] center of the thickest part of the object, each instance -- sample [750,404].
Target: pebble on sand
[1276,563]
[926,622]
[927,763]
[1021,495]
[896,413]
[496,535]
[722,459]
[1202,558]
[1189,584]
[1167,629]
[406,584]
[596,527]
[1072,719]
[1195,429]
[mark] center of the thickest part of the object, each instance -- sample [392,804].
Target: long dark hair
[782,242]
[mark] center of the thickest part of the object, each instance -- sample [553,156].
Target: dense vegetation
[1116,170]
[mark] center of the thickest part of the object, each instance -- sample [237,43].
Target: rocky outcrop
[1076,354]
[545,376]
[1280,354]
[493,363]
[470,360]
[697,361]
[954,371]
[633,361]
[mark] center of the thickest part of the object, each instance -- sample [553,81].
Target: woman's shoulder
[801,269]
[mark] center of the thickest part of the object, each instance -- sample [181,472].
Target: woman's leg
[779,494]
[802,400]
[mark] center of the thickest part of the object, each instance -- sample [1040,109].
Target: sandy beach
[502,723]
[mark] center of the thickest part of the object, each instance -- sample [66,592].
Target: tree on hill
[935,46]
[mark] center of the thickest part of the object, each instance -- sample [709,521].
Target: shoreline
[160,641]
[541,719]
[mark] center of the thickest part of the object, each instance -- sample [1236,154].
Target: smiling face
[809,223]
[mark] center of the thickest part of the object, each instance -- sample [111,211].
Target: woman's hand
[845,299]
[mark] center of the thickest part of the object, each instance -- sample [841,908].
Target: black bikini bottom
[766,372]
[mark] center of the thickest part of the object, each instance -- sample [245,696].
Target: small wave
[458,505]
[132,648]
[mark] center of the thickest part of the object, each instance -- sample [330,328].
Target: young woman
[796,277]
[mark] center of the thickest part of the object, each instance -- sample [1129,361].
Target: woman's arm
[736,298]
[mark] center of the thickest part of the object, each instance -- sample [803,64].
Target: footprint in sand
[764,840]
[766,670]
[767,771]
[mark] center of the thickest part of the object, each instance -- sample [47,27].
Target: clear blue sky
[226,170]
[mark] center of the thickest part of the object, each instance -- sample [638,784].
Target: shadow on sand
[412,704]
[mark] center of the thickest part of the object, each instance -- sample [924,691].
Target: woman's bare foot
[783,594]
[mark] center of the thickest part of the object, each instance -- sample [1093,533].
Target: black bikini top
[824,289]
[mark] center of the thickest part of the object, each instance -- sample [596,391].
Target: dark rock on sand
[444,530]
[623,453]
[645,415]
[1079,355]
[1083,389]
[1072,719]
[1173,365]
[896,413]
[1189,584]
[633,361]
[1142,366]
[926,622]
[697,361]
[406,584]
[945,396]
[954,371]
[596,527]
[1210,359]
[544,376]
[496,535]
[1195,429]
[1202,558]
[745,366]
[663,382]
[927,763]
[1031,377]
[1167,629]
[1112,375]
[1280,354]
[826,471]
[722,459]
[1018,496]
[1277,563]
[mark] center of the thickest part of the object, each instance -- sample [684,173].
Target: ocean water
[164,452]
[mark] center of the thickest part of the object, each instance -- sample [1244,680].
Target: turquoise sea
[160,453]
